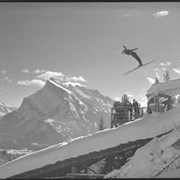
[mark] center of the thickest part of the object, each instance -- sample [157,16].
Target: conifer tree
[101,124]
[125,100]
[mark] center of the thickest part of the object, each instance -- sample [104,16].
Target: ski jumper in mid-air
[132,53]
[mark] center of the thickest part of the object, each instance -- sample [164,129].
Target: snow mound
[158,158]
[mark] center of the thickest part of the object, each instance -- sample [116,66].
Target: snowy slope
[5,109]
[158,158]
[148,126]
[54,114]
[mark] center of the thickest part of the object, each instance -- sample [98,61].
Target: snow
[53,114]
[152,159]
[24,151]
[82,93]
[2,114]
[5,109]
[81,103]
[73,109]
[146,127]
[50,121]
[171,87]
[60,86]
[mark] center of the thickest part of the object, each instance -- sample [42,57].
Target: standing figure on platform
[135,107]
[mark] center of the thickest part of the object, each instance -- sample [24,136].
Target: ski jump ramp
[64,154]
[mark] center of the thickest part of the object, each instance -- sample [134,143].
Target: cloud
[142,99]
[161,13]
[3,71]
[34,82]
[150,80]
[25,71]
[37,71]
[62,78]
[143,102]
[117,99]
[74,84]
[176,70]
[43,76]
[7,79]
[165,64]
[49,74]
[129,94]
[76,79]
[131,14]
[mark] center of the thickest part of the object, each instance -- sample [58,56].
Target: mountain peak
[53,83]
[55,113]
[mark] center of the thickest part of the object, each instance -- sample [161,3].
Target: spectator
[130,108]
[135,106]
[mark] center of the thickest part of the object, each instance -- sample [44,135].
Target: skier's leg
[137,58]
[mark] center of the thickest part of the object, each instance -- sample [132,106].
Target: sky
[82,43]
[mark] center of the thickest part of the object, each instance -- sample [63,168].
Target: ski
[139,67]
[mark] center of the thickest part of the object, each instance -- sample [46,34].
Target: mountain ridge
[53,114]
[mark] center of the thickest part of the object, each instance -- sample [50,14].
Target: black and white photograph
[89,90]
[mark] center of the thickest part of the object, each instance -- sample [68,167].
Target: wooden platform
[86,176]
[61,169]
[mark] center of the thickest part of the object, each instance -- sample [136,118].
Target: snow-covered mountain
[4,109]
[54,114]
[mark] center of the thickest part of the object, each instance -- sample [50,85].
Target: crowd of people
[133,108]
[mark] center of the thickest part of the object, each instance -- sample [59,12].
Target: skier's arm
[134,49]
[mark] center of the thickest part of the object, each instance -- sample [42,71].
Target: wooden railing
[126,115]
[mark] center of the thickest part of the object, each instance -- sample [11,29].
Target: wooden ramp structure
[72,167]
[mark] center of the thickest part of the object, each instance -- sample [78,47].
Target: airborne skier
[133,54]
